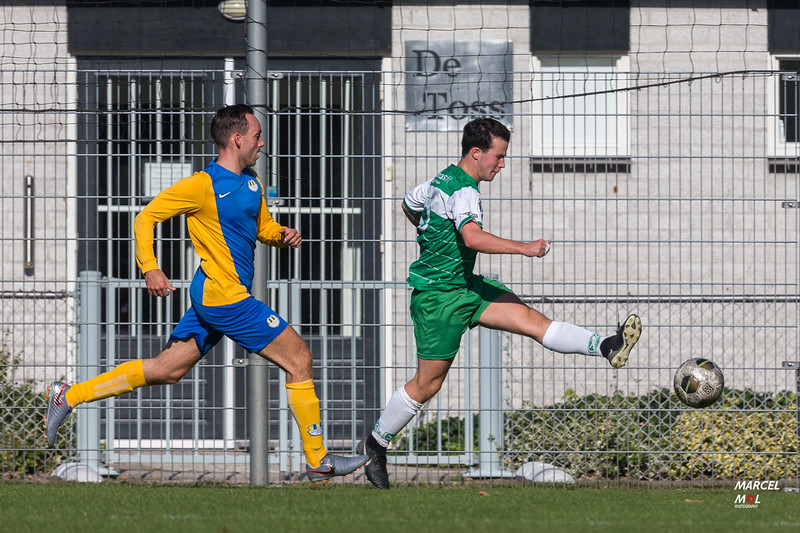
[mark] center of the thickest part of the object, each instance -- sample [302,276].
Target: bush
[595,435]
[425,437]
[23,450]
[751,435]
[736,444]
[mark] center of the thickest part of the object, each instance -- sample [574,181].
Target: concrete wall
[686,238]
[37,126]
[696,219]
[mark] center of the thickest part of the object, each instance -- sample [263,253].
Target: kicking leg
[509,313]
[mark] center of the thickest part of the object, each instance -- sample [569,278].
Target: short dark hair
[229,120]
[479,133]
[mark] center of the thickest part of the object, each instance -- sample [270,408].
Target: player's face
[251,142]
[491,161]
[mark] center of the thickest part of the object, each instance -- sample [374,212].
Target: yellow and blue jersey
[225,214]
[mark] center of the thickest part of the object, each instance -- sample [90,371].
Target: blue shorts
[250,323]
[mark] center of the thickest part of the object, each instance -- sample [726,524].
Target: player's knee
[426,395]
[305,362]
[427,390]
[535,325]
[300,365]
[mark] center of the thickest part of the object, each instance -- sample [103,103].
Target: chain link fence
[673,195]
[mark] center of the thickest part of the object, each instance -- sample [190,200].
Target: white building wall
[695,150]
[682,156]
[418,156]
[37,126]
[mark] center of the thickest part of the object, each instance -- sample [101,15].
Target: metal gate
[142,131]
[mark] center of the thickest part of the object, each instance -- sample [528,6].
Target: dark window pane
[787,102]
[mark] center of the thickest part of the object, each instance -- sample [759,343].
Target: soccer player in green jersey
[448,298]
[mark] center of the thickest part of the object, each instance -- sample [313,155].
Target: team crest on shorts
[315,429]
[252,185]
[273,321]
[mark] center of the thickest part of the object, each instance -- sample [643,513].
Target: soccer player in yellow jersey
[226,214]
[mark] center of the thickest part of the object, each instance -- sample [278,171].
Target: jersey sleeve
[416,198]
[184,197]
[464,206]
[269,231]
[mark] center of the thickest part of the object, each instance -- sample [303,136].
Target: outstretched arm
[487,243]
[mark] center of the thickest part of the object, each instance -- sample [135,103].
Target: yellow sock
[123,378]
[304,405]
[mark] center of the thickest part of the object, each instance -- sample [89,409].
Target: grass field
[120,508]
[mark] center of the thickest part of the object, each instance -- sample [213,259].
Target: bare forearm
[484,242]
[487,243]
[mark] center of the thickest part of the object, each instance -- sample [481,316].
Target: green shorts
[441,317]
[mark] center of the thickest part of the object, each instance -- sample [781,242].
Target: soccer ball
[698,382]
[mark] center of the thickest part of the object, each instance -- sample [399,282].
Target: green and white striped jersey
[444,204]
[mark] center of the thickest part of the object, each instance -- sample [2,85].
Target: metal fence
[689,218]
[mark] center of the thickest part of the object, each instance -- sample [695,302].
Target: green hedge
[594,435]
[424,438]
[734,444]
[749,435]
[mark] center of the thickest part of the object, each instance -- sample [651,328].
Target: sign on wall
[448,83]
[158,175]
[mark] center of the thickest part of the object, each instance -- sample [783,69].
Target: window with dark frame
[788,100]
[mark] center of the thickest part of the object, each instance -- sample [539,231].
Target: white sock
[563,337]
[397,414]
